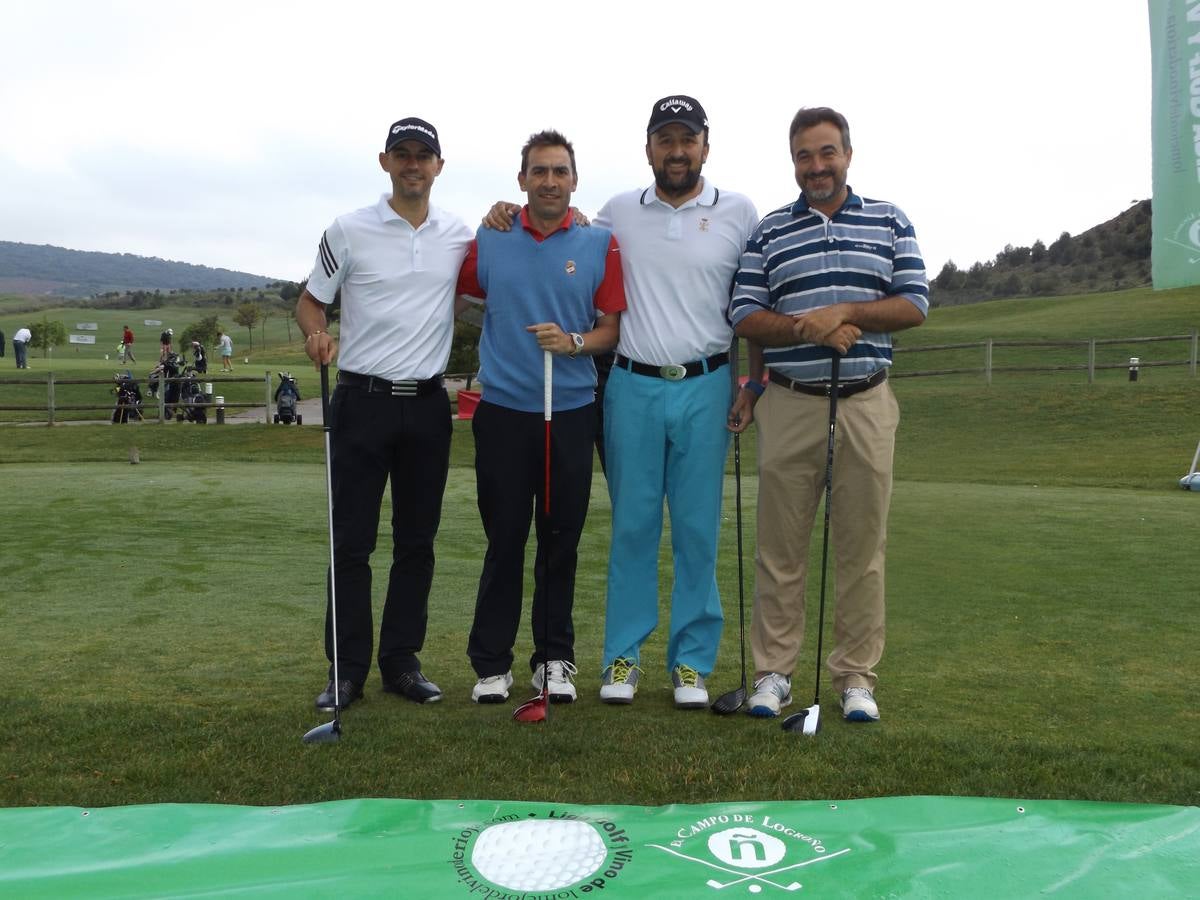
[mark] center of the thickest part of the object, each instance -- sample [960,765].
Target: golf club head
[329,733]
[807,721]
[1190,482]
[729,703]
[535,710]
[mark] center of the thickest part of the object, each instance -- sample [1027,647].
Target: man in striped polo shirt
[831,273]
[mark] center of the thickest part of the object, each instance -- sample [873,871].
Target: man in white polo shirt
[395,264]
[668,403]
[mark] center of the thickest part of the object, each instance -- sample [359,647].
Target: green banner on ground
[1175,127]
[891,847]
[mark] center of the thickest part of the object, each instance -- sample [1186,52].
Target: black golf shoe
[347,693]
[413,686]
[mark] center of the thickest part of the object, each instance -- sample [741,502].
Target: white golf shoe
[690,692]
[858,705]
[562,689]
[620,681]
[772,692]
[492,689]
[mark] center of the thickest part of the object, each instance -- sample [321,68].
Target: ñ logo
[747,848]
[756,858]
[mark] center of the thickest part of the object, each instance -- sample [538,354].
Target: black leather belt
[673,372]
[821,388]
[411,388]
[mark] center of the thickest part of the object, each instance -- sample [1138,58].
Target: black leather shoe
[348,692]
[413,685]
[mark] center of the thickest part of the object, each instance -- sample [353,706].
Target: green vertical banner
[1175,121]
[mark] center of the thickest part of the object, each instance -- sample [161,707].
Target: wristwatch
[577,340]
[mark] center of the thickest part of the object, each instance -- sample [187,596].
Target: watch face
[578,339]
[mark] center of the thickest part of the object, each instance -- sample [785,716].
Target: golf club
[538,708]
[733,701]
[808,721]
[330,731]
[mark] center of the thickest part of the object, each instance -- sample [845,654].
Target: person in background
[225,344]
[21,340]
[127,343]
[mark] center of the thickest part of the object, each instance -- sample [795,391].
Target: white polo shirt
[397,286]
[678,266]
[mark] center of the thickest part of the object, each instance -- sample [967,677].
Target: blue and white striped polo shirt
[798,259]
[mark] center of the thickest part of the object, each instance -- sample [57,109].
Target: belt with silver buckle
[408,388]
[821,388]
[673,371]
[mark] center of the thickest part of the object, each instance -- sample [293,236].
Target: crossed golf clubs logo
[752,834]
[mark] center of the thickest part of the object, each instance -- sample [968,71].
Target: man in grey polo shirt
[830,273]
[396,265]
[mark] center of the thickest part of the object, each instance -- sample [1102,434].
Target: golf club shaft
[737,482]
[833,399]
[337,700]
[547,412]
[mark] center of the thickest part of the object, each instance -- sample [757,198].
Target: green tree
[951,278]
[247,315]
[464,348]
[46,334]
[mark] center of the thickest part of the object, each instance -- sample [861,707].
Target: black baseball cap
[678,108]
[413,129]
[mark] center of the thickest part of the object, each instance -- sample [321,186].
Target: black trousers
[510,475]
[374,437]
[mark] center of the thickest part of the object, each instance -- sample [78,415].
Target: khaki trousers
[793,438]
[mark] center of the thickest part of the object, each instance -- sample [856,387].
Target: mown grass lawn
[163,621]
[164,626]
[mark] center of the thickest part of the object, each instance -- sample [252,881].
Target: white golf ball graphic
[538,854]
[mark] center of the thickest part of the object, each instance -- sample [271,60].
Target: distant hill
[39,269]
[1110,257]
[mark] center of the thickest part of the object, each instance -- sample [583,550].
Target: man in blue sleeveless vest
[550,286]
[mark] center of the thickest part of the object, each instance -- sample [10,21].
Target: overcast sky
[231,133]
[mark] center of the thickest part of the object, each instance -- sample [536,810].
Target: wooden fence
[50,407]
[1087,348]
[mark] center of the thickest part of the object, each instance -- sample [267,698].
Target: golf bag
[167,369]
[199,358]
[191,399]
[286,397]
[129,399]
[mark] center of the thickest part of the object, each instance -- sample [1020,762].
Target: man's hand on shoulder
[500,216]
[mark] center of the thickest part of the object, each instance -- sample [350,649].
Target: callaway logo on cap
[413,129]
[678,108]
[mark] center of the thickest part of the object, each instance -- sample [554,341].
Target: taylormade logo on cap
[680,108]
[413,129]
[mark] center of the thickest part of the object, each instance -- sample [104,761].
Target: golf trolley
[164,374]
[1191,481]
[199,358]
[287,395]
[129,399]
[192,401]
